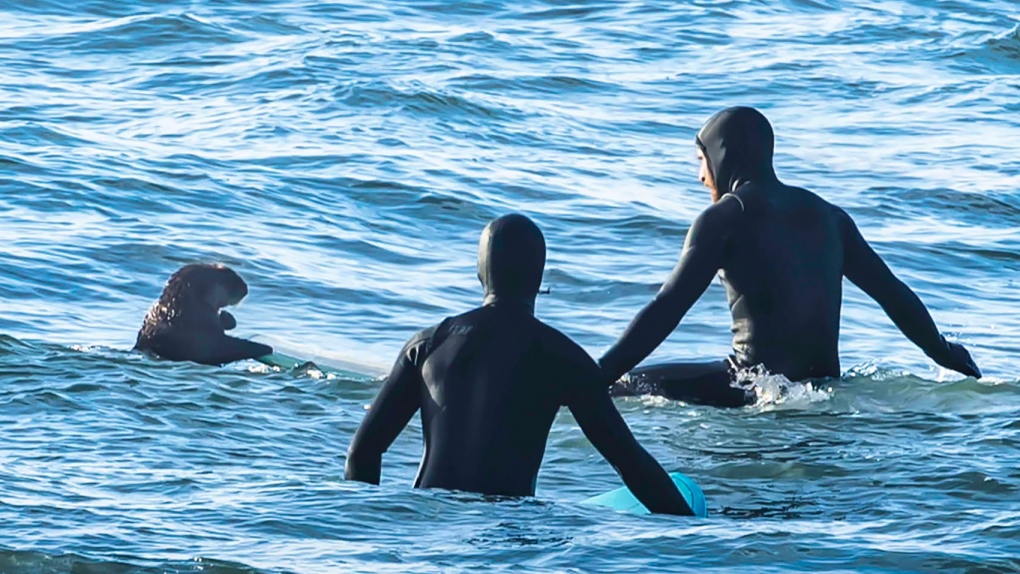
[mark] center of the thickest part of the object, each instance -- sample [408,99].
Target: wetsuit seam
[743,208]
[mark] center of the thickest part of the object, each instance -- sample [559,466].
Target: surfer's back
[494,379]
[783,273]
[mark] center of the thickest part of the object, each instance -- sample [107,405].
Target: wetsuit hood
[511,260]
[739,144]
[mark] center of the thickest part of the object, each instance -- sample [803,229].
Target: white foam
[654,400]
[775,390]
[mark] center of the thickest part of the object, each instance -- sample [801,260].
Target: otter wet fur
[188,323]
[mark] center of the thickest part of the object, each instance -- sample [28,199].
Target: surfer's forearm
[700,259]
[390,412]
[363,467]
[912,318]
[603,425]
[661,316]
[650,483]
[645,333]
[866,269]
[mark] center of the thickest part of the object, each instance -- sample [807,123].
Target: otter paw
[227,321]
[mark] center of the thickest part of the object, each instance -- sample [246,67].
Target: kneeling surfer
[782,253]
[489,384]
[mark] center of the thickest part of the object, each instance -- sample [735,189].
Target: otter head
[203,285]
[188,323]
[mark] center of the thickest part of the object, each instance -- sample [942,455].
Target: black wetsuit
[781,253]
[489,383]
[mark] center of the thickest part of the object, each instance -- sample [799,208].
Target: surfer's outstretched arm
[865,269]
[701,258]
[398,400]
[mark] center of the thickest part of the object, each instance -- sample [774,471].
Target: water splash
[776,390]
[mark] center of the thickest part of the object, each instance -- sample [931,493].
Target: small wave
[1008,44]
[999,54]
[591,11]
[129,33]
[421,99]
[558,85]
[10,345]
[41,135]
[869,389]
[18,562]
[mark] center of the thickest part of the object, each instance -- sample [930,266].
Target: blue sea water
[343,157]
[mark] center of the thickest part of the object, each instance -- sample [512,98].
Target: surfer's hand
[958,359]
[227,321]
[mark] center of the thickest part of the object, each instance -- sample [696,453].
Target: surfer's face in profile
[705,175]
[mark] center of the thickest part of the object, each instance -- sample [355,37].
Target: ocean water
[343,157]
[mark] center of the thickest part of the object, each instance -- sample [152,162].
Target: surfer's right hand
[958,359]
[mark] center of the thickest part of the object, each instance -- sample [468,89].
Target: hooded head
[737,144]
[511,259]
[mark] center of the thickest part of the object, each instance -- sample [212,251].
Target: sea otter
[187,323]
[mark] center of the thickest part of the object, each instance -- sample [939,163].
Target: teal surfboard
[623,500]
[288,363]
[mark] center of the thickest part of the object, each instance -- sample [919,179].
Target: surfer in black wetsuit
[781,253]
[488,384]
